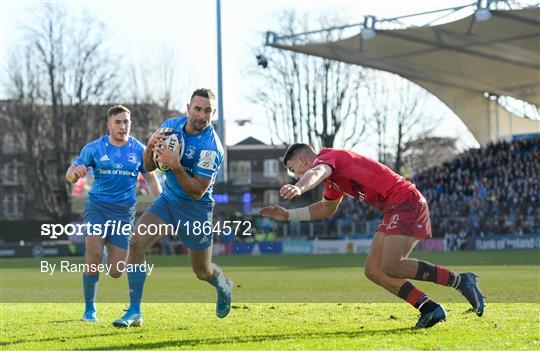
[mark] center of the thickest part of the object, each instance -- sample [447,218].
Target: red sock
[443,274]
[412,295]
[435,273]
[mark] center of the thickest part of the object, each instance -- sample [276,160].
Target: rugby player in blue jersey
[186,202]
[116,159]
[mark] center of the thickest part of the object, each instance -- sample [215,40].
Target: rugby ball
[174,141]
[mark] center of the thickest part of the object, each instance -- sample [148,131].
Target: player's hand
[275,212]
[81,171]
[290,191]
[157,137]
[166,156]
[78,172]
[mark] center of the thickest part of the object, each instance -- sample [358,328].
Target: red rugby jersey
[362,178]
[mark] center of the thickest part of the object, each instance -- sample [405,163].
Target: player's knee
[137,244]
[93,258]
[204,275]
[391,269]
[115,274]
[372,273]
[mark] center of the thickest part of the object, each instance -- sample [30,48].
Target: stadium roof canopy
[458,62]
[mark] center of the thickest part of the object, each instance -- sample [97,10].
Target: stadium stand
[488,191]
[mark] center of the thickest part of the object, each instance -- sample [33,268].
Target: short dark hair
[117,109]
[295,149]
[204,93]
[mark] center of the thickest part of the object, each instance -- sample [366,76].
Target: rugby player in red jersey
[405,222]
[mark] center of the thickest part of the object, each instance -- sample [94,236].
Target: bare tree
[308,98]
[426,152]
[397,111]
[152,87]
[59,76]
[378,93]
[153,80]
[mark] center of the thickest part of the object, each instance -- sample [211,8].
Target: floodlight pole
[222,176]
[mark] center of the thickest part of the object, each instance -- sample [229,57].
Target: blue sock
[219,281]
[90,283]
[136,284]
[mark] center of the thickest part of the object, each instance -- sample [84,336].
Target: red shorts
[407,216]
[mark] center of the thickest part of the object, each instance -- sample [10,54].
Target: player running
[116,159]
[185,203]
[405,222]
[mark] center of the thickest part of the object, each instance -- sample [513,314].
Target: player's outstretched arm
[311,179]
[316,211]
[74,173]
[275,212]
[324,208]
[153,184]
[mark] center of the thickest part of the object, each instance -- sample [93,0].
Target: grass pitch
[280,302]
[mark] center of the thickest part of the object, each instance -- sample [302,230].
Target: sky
[186,29]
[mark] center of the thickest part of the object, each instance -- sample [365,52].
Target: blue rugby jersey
[203,155]
[115,169]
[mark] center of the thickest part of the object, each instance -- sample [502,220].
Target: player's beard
[199,125]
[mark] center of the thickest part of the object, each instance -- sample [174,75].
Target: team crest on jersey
[132,158]
[207,159]
[190,152]
[394,219]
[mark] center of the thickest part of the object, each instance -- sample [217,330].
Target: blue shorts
[191,216]
[118,216]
